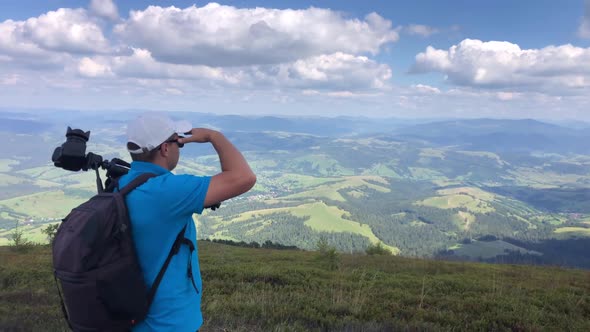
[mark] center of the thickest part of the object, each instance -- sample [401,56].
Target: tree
[50,231]
[19,242]
[327,254]
[377,249]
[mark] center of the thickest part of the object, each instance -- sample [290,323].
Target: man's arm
[235,178]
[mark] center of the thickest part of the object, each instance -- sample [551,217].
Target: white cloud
[503,95]
[12,79]
[217,35]
[65,30]
[502,64]
[90,68]
[140,64]
[340,94]
[104,8]
[312,49]
[425,88]
[16,49]
[51,40]
[174,91]
[337,71]
[420,29]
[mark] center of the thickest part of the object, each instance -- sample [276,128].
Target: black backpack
[95,262]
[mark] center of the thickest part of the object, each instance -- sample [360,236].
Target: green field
[7,180]
[432,153]
[573,231]
[52,204]
[272,290]
[382,170]
[298,181]
[31,233]
[325,218]
[490,155]
[465,219]
[484,249]
[322,218]
[537,179]
[6,164]
[322,164]
[421,173]
[464,201]
[330,190]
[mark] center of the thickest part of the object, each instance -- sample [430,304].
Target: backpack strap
[138,181]
[180,240]
[61,300]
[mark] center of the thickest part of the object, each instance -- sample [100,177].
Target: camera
[71,156]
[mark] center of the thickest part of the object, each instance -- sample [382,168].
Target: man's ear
[164,150]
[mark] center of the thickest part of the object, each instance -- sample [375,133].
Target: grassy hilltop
[284,290]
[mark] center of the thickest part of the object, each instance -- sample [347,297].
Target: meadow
[248,289]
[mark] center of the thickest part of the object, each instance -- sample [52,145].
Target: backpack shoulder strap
[138,181]
[173,251]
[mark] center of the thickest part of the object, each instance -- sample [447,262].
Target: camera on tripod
[72,156]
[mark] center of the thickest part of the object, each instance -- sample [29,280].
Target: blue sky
[443,59]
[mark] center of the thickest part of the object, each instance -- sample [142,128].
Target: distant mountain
[499,136]
[22,126]
[314,125]
[321,126]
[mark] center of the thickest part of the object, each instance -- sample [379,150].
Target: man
[160,208]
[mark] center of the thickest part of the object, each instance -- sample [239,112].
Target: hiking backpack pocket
[80,299]
[122,291]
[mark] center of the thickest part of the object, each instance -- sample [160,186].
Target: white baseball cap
[150,130]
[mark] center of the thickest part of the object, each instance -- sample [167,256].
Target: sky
[411,59]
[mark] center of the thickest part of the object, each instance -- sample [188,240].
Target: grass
[52,204]
[330,190]
[6,164]
[382,170]
[269,290]
[553,219]
[322,218]
[490,155]
[323,164]
[298,181]
[465,219]
[485,249]
[472,199]
[7,180]
[432,153]
[325,218]
[32,233]
[474,192]
[544,179]
[421,173]
[574,230]
[45,172]
[458,201]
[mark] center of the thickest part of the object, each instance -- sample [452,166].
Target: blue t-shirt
[158,210]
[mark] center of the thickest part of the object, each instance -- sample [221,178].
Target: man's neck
[162,163]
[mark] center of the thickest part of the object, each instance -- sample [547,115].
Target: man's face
[172,148]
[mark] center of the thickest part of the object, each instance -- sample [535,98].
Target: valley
[421,190]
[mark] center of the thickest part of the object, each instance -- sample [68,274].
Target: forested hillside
[426,190]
